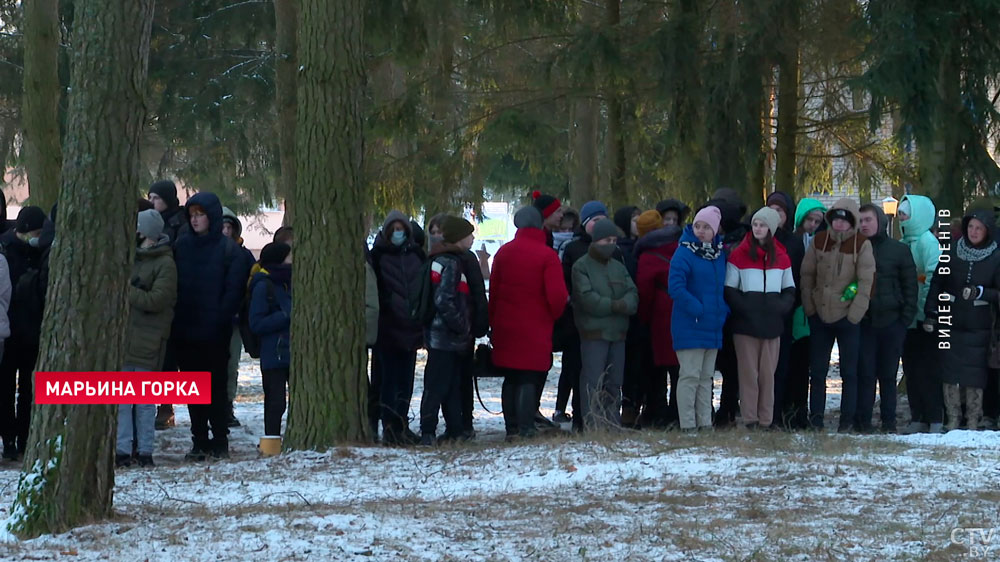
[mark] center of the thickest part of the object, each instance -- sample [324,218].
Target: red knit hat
[546,204]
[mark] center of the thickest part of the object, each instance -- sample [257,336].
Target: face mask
[435,239]
[33,242]
[605,250]
[398,237]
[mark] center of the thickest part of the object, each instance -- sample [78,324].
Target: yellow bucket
[270,445]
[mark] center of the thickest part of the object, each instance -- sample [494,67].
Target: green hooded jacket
[923,245]
[800,324]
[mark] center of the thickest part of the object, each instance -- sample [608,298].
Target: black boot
[526,409]
[220,448]
[164,417]
[233,422]
[200,449]
[123,461]
[508,402]
[10,451]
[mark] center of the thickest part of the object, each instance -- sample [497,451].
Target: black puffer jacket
[477,295]
[894,294]
[626,242]
[450,330]
[970,320]
[174,220]
[397,269]
[794,247]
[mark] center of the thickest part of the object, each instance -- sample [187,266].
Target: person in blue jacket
[271,319]
[697,278]
[211,281]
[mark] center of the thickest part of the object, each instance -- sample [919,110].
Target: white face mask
[34,241]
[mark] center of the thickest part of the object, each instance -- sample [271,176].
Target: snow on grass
[728,495]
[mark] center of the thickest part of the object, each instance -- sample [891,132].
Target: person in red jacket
[527,295]
[654,249]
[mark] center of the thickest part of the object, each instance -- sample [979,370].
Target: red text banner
[123,387]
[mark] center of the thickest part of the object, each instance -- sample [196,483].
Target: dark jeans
[726,364]
[795,409]
[16,368]
[467,390]
[569,375]
[822,336]
[275,382]
[781,374]
[635,350]
[518,399]
[442,392]
[395,376]
[879,362]
[991,395]
[923,378]
[214,358]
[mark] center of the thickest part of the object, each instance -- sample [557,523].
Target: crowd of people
[644,307]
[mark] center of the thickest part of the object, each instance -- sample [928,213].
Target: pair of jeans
[601,382]
[848,338]
[275,383]
[392,386]
[214,358]
[923,377]
[694,387]
[442,392]
[16,369]
[880,351]
[135,422]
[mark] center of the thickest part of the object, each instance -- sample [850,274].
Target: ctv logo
[979,540]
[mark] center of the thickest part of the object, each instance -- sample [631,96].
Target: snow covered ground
[730,495]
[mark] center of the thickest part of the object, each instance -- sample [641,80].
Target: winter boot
[10,451]
[123,461]
[914,427]
[200,449]
[164,416]
[974,407]
[233,422]
[630,417]
[953,406]
[526,394]
[145,461]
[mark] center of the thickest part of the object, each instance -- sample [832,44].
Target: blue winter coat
[271,319]
[211,279]
[696,286]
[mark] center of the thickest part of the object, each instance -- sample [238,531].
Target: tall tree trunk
[615,138]
[41,100]
[328,391]
[939,156]
[69,462]
[788,98]
[285,20]
[585,115]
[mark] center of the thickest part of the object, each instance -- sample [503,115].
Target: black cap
[274,253]
[167,191]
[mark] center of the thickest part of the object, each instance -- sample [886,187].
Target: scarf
[704,250]
[281,274]
[972,255]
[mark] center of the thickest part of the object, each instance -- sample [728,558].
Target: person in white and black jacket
[760,293]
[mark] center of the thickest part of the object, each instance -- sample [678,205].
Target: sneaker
[689,431]
[936,428]
[145,461]
[561,418]
[123,461]
[888,429]
[752,426]
[845,429]
[914,427]
[196,454]
[427,440]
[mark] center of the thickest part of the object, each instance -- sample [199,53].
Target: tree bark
[328,391]
[939,157]
[41,100]
[615,137]
[585,115]
[788,99]
[286,69]
[68,473]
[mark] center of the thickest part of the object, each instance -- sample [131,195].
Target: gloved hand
[928,326]
[619,307]
[972,292]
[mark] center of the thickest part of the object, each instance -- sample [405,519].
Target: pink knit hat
[711,215]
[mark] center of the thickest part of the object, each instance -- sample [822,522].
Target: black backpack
[422,296]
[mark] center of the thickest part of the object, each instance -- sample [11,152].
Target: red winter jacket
[527,295]
[655,305]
